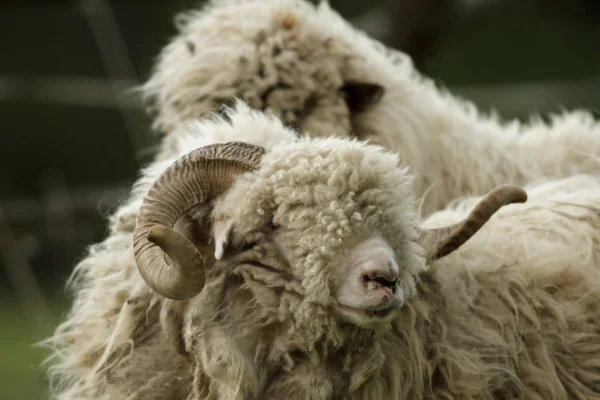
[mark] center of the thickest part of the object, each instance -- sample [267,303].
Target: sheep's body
[290,58]
[528,280]
[514,313]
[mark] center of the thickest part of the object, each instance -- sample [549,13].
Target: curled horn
[195,178]
[445,240]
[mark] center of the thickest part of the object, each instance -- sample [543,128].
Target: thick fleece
[291,58]
[104,282]
[511,314]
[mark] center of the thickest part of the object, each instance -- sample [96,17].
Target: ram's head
[331,220]
[273,261]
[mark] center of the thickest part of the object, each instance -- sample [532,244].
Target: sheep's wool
[512,314]
[291,58]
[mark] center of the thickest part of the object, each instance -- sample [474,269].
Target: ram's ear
[196,227]
[361,95]
[221,230]
[209,237]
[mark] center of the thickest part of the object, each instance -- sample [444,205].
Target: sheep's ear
[221,230]
[196,227]
[209,237]
[362,95]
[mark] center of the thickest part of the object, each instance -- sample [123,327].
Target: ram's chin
[367,319]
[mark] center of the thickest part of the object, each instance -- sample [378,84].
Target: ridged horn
[445,240]
[195,178]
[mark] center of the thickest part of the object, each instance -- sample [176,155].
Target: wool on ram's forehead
[323,77]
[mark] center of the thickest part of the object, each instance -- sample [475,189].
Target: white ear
[221,230]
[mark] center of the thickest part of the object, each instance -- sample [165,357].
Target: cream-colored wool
[291,58]
[512,314]
[106,278]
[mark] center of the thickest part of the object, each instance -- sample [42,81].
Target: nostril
[385,282]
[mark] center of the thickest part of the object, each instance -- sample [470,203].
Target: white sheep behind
[319,75]
[558,225]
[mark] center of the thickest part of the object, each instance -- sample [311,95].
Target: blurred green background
[72,139]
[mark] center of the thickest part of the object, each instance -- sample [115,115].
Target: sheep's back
[521,300]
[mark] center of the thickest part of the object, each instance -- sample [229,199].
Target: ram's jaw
[372,319]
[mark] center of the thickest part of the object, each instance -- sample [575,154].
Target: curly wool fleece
[506,316]
[293,59]
[325,194]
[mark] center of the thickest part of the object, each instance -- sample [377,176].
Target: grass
[20,360]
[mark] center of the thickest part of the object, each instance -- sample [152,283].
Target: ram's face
[363,281]
[338,219]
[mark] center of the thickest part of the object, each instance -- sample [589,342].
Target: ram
[323,77]
[303,271]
